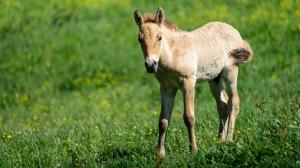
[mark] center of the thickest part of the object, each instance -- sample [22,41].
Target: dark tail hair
[242,55]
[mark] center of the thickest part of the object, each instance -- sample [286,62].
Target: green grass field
[74,91]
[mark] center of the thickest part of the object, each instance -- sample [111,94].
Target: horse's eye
[159,38]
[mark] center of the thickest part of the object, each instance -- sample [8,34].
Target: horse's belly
[209,69]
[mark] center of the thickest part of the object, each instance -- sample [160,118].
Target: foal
[179,59]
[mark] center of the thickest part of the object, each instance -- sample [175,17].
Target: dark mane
[149,18]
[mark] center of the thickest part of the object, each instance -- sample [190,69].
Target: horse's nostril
[155,62]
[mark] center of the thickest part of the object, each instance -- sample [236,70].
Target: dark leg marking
[217,79]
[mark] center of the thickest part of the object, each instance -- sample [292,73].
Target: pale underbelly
[209,71]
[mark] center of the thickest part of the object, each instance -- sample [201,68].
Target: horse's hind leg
[221,98]
[234,100]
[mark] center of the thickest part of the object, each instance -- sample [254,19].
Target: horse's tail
[243,54]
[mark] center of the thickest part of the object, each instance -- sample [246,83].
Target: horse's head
[150,37]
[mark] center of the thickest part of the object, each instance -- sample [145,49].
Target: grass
[74,91]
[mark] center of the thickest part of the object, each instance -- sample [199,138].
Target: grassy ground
[74,91]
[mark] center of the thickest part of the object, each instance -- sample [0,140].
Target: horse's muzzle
[151,67]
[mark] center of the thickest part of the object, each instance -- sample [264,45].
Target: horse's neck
[169,43]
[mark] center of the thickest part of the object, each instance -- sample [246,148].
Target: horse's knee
[235,102]
[163,124]
[189,120]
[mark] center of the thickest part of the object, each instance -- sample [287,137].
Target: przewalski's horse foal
[179,59]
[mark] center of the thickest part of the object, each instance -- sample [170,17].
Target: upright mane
[149,18]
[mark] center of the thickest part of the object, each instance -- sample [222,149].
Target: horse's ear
[138,18]
[160,16]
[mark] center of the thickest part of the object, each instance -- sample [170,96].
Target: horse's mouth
[151,70]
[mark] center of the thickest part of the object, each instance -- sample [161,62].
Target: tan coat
[179,59]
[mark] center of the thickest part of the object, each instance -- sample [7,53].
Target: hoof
[161,155]
[229,138]
[222,138]
[193,150]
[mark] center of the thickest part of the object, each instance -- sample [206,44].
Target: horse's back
[220,33]
[213,42]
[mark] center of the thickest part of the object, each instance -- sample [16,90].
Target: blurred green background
[74,91]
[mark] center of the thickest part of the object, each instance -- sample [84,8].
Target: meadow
[74,91]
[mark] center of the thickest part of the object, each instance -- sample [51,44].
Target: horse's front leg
[167,104]
[188,116]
